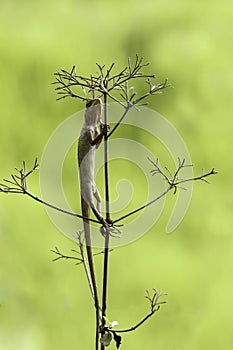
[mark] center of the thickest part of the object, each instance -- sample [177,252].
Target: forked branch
[80,257]
[155,305]
[173,180]
[116,86]
[18,183]
[109,333]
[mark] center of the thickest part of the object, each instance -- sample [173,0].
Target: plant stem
[119,122]
[106,245]
[37,199]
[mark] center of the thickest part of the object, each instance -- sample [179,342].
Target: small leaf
[106,339]
[117,339]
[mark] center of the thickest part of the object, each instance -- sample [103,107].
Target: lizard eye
[89,103]
[94,102]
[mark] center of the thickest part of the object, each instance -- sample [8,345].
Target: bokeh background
[46,305]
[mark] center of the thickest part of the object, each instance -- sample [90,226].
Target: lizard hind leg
[98,200]
[91,193]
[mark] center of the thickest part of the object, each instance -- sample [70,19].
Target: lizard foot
[108,228]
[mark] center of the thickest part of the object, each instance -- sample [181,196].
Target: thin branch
[81,260]
[60,255]
[104,83]
[128,96]
[200,177]
[60,209]
[85,264]
[18,185]
[109,334]
[155,305]
[119,121]
[143,206]
[158,170]
[173,183]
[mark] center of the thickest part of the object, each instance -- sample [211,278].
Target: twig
[109,334]
[85,264]
[104,84]
[18,185]
[154,307]
[173,183]
[66,257]
[81,260]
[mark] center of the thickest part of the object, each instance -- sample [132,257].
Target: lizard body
[89,140]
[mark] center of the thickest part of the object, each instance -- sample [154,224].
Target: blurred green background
[46,305]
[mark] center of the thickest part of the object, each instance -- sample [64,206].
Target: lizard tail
[87,235]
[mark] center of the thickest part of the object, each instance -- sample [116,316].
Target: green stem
[106,245]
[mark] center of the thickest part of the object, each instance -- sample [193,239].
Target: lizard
[90,139]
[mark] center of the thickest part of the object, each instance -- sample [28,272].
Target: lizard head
[93,111]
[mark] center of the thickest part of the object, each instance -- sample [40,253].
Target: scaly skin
[89,140]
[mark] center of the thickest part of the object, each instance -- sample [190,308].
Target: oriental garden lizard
[90,139]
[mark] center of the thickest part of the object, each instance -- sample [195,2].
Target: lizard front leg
[98,139]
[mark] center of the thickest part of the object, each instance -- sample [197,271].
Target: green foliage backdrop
[46,305]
